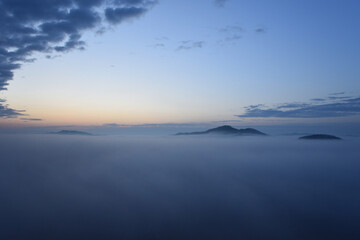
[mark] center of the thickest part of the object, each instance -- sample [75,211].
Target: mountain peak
[320,137]
[226,129]
[223,129]
[71,132]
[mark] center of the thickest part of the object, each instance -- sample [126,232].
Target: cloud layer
[80,187]
[6,112]
[54,26]
[333,106]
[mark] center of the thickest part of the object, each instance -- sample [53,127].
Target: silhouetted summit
[320,137]
[223,129]
[71,132]
[229,130]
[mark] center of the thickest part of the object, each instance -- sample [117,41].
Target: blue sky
[196,61]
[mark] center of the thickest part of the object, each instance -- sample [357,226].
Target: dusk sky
[138,61]
[179,119]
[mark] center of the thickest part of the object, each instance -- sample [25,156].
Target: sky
[140,61]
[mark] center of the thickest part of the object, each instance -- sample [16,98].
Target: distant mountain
[320,137]
[227,130]
[71,132]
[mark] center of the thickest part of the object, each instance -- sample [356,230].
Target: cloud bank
[7,112]
[79,187]
[333,106]
[53,26]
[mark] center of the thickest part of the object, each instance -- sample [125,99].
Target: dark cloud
[337,98]
[220,3]
[231,29]
[52,26]
[337,93]
[118,15]
[31,119]
[318,99]
[7,112]
[293,105]
[231,33]
[260,30]
[254,106]
[232,38]
[52,56]
[340,108]
[166,43]
[187,45]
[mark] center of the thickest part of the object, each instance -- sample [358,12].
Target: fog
[113,187]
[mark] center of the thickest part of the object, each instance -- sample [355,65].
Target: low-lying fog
[101,187]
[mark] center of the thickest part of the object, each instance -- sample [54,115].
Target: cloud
[52,26]
[7,112]
[337,93]
[118,15]
[318,99]
[220,3]
[113,125]
[260,30]
[231,33]
[31,119]
[71,187]
[337,107]
[166,43]
[187,45]
[52,56]
[231,29]
[160,42]
[336,98]
[159,45]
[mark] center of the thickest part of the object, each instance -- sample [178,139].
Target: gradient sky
[200,61]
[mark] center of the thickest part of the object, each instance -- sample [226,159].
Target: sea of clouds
[116,187]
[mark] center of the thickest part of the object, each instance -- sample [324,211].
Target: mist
[115,187]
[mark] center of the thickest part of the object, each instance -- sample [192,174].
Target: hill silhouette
[320,137]
[227,130]
[72,132]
